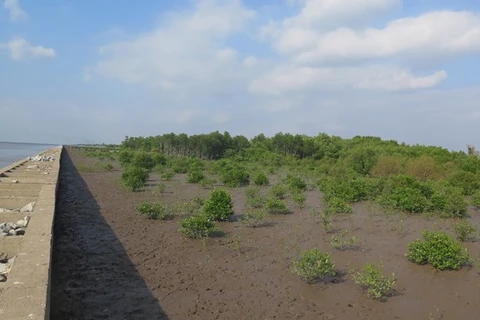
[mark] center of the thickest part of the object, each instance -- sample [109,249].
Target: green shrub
[143,160]
[195,176]
[161,187]
[343,241]
[466,232]
[467,181]
[439,250]
[108,166]
[371,279]
[235,177]
[154,211]
[167,175]
[295,183]
[449,202]
[198,226]
[476,199]
[207,182]
[253,217]
[219,207]
[125,157]
[313,266]
[260,179]
[180,164]
[299,199]
[279,191]
[276,206]
[133,178]
[337,205]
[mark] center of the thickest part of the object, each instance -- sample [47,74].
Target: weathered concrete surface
[25,294]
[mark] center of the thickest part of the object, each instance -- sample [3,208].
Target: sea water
[12,151]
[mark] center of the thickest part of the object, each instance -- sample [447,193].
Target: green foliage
[362,160]
[207,182]
[219,207]
[279,191]
[260,179]
[167,175]
[372,280]
[387,166]
[343,241]
[476,199]
[295,183]
[439,250]
[276,206]
[142,160]
[107,166]
[133,178]
[467,181]
[235,177]
[155,211]
[466,232]
[423,168]
[253,217]
[125,157]
[198,226]
[161,187]
[299,199]
[314,266]
[406,193]
[195,176]
[337,205]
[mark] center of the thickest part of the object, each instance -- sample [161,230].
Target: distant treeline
[215,145]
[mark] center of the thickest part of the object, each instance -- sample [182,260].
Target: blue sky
[96,71]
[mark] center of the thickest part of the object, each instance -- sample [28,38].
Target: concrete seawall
[27,206]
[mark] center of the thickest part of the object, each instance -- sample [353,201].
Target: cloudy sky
[84,71]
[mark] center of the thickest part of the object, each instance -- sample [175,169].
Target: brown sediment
[111,263]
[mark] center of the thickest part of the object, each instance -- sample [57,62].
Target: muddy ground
[111,263]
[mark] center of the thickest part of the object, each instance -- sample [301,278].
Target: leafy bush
[143,160]
[195,176]
[476,199]
[253,217]
[125,157]
[180,164]
[167,175]
[424,168]
[295,183]
[465,231]
[198,226]
[439,250]
[299,199]
[362,160]
[371,279]
[207,182]
[108,166]
[279,191]
[235,177]
[313,266]
[260,179]
[133,178]
[276,206]
[343,241]
[387,166]
[154,211]
[337,205]
[219,207]
[467,181]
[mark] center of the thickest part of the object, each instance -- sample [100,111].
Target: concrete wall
[26,292]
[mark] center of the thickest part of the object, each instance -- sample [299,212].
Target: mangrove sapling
[314,266]
[343,241]
[372,280]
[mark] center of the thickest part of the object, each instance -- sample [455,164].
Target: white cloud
[16,12]
[187,51]
[21,49]
[436,33]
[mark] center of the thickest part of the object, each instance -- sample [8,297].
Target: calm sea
[11,152]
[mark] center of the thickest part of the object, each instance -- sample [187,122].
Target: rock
[3,278]
[5,210]
[20,232]
[12,232]
[3,267]
[28,207]
[3,257]
[14,181]
[22,223]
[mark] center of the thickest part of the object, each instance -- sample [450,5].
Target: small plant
[476,200]
[167,175]
[439,250]
[235,177]
[337,205]
[219,207]
[253,217]
[161,187]
[195,176]
[477,265]
[260,179]
[372,280]
[155,211]
[108,166]
[342,241]
[295,183]
[133,178]
[466,232]
[207,183]
[314,266]
[327,221]
[276,206]
[279,191]
[198,226]
[299,199]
